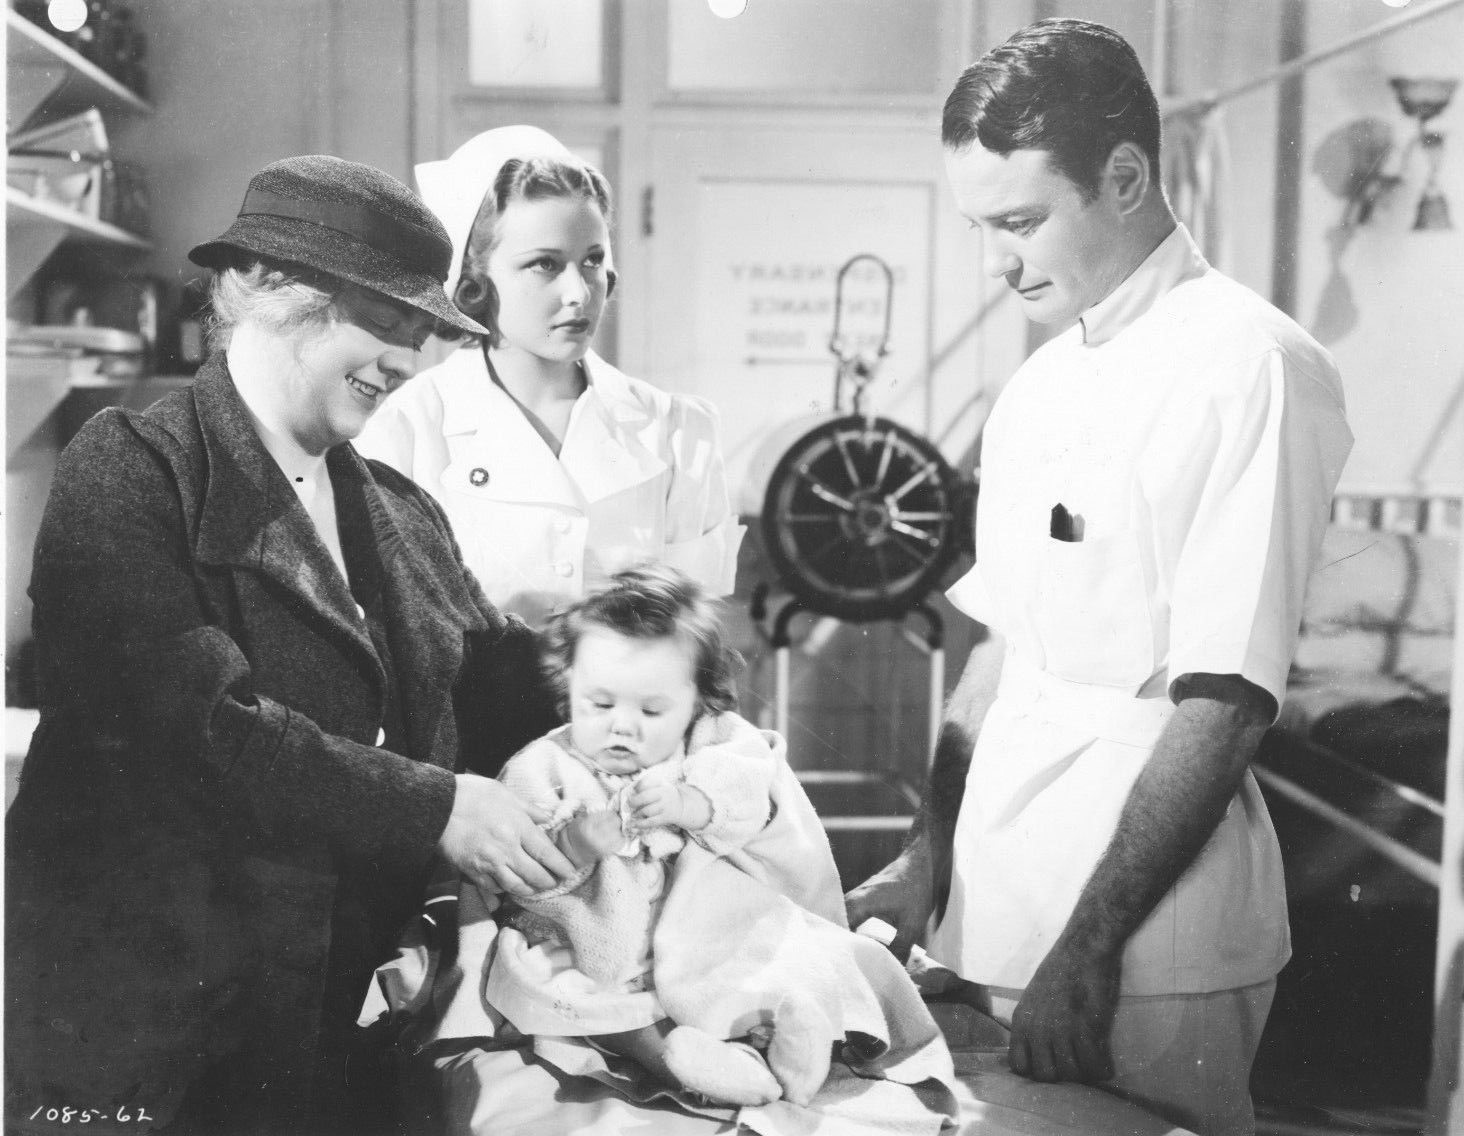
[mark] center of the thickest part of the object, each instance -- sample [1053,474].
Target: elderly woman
[263,670]
[556,469]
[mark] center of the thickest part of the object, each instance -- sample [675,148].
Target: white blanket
[736,929]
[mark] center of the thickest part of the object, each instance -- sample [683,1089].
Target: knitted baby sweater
[607,913]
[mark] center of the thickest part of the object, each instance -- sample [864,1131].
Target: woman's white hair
[286,303]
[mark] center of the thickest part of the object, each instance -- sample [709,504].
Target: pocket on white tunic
[1092,611]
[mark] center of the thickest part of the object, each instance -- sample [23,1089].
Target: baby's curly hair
[650,601]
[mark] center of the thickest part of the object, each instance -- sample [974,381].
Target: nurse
[555,469]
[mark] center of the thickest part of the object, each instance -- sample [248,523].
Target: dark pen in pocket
[1065,526]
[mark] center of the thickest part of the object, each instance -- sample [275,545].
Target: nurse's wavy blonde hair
[651,601]
[522,179]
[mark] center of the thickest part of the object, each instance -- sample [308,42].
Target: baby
[652,757]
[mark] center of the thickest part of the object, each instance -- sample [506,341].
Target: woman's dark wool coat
[209,853]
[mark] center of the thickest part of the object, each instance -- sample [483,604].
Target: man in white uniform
[1155,484]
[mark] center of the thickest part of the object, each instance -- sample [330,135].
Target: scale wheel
[860,518]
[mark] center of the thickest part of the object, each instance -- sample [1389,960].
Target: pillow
[1382,603]
[1383,580]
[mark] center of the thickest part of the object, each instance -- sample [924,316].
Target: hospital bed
[1353,774]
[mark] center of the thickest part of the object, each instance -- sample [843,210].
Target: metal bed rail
[1411,861]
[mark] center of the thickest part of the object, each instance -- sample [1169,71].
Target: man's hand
[1060,1027]
[494,839]
[902,894]
[590,837]
[660,804]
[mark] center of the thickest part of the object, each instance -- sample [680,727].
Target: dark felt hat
[347,220]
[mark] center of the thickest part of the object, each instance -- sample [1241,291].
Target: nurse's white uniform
[639,474]
[1198,435]
[639,477]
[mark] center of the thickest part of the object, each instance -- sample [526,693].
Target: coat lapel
[252,521]
[499,456]
[496,454]
[402,567]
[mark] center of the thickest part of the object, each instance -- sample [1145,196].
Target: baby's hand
[659,805]
[590,837]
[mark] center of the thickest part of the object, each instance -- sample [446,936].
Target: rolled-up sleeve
[1273,446]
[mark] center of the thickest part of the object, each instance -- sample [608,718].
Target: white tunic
[1196,434]
[639,477]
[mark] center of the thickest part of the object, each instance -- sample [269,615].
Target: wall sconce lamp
[1423,99]
[1378,167]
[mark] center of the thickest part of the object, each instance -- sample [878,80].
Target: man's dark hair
[1070,87]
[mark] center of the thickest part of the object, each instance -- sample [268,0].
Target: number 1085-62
[68,1115]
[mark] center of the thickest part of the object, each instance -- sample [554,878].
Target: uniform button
[478,476]
[360,611]
[564,568]
[381,737]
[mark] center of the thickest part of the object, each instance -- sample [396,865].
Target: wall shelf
[33,229]
[45,79]
[39,386]
[35,385]
[23,211]
[42,72]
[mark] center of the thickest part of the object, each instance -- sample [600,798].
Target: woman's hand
[494,839]
[590,837]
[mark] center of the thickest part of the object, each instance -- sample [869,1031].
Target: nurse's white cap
[454,187]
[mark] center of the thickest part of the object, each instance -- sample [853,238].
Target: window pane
[853,46]
[535,43]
